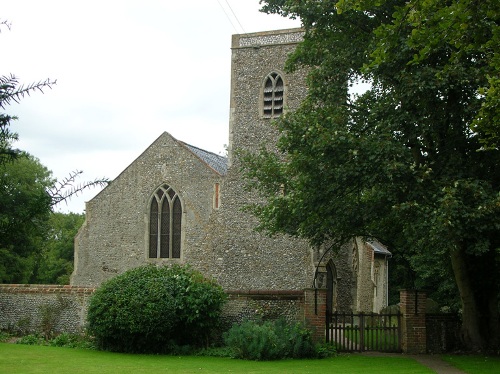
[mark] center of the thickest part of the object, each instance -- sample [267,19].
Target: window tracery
[165,224]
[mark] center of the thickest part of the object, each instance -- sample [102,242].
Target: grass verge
[475,364]
[15,358]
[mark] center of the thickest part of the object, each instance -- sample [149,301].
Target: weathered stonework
[114,237]
[291,36]
[43,308]
[218,237]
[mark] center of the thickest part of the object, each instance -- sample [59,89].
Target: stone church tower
[260,91]
[177,203]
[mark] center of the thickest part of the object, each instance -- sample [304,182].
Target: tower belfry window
[274,90]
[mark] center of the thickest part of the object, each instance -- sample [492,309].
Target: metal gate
[364,332]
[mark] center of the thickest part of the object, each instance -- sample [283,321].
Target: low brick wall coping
[45,288]
[266,294]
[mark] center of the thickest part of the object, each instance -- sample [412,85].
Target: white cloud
[126,71]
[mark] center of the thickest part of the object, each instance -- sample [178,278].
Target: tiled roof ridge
[213,160]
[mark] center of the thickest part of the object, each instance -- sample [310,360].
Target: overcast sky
[126,71]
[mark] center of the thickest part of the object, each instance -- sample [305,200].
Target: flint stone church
[179,204]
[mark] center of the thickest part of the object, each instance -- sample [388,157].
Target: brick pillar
[414,337]
[315,312]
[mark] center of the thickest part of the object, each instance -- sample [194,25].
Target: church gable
[120,227]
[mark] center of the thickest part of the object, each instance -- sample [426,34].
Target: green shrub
[215,352]
[31,339]
[270,340]
[72,341]
[62,340]
[325,350]
[149,309]
[50,313]
[4,336]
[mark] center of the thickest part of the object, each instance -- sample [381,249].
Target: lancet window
[273,95]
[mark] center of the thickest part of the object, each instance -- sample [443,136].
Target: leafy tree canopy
[24,212]
[413,160]
[55,262]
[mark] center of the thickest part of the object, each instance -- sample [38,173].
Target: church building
[179,204]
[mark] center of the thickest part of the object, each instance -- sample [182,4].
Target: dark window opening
[274,90]
[165,224]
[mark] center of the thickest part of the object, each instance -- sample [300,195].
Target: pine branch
[66,189]
[10,91]
[6,24]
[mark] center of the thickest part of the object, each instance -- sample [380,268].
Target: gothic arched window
[273,96]
[165,222]
[331,286]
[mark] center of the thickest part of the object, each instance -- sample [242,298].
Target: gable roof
[379,248]
[215,161]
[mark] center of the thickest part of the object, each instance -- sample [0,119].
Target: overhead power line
[237,20]
[229,18]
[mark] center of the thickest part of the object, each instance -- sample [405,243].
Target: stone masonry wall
[261,304]
[345,282]
[48,309]
[365,284]
[114,237]
[23,307]
[247,259]
[222,243]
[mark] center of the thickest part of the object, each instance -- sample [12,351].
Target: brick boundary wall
[414,334]
[315,312]
[22,306]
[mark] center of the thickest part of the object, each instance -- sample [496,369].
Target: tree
[28,192]
[57,257]
[405,161]
[24,213]
[10,90]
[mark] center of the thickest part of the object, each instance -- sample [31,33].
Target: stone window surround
[261,99]
[178,196]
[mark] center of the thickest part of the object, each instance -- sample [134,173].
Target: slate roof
[379,248]
[215,161]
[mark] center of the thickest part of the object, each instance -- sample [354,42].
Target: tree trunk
[493,325]
[470,333]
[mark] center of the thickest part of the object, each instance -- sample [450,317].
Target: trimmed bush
[270,340]
[149,309]
[31,339]
[72,341]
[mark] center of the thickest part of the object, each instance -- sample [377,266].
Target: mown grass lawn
[17,358]
[475,364]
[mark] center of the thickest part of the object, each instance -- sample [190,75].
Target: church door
[331,286]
